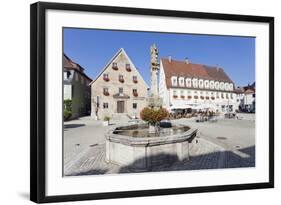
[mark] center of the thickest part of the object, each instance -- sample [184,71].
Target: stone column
[154,67]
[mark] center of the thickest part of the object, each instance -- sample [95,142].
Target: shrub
[153,115]
[66,114]
[67,105]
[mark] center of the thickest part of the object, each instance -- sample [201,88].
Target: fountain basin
[144,153]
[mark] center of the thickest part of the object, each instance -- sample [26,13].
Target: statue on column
[154,100]
[154,68]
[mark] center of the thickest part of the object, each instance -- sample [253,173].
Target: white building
[246,98]
[184,84]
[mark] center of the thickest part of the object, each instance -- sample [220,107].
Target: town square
[173,114]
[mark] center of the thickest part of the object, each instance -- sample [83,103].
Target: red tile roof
[181,68]
[69,64]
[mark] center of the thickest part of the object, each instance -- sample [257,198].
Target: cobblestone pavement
[224,144]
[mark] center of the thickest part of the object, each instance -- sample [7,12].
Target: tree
[153,116]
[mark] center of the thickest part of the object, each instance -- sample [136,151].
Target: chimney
[170,59]
[186,60]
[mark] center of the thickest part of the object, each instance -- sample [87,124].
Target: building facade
[246,98]
[184,84]
[76,87]
[119,89]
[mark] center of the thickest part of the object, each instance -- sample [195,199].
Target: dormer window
[212,84]
[188,82]
[128,67]
[206,84]
[174,81]
[201,83]
[181,81]
[194,83]
[114,66]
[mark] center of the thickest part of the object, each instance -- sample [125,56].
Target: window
[105,91]
[175,94]
[121,78]
[135,105]
[181,79]
[128,67]
[174,81]
[105,105]
[135,79]
[254,95]
[66,75]
[120,90]
[114,66]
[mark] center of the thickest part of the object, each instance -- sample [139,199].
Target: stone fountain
[139,146]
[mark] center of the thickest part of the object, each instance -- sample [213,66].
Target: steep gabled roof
[69,64]
[181,68]
[121,50]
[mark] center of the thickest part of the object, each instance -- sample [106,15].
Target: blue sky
[92,49]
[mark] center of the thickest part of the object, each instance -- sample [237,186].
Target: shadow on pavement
[67,126]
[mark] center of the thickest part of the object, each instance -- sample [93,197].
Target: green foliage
[67,105]
[66,114]
[106,118]
[67,109]
[153,115]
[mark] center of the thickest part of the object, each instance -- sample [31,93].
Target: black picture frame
[38,101]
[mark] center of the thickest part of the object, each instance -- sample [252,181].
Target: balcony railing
[135,94]
[121,80]
[175,96]
[182,96]
[189,97]
[135,80]
[128,69]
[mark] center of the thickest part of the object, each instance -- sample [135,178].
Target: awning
[180,105]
